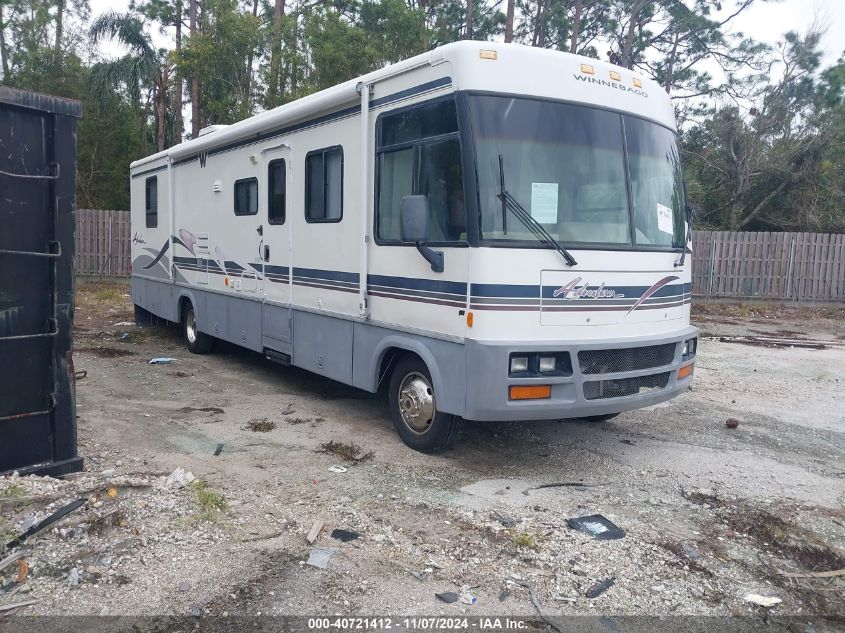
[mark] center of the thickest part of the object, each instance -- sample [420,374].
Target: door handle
[266,252]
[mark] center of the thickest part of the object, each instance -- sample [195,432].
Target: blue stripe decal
[326,118]
[317,275]
[411,283]
[533,292]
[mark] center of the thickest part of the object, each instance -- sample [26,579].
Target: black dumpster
[37,181]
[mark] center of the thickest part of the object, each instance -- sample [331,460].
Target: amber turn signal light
[685,371]
[530,392]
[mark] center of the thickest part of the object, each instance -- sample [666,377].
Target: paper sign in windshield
[664,219]
[544,202]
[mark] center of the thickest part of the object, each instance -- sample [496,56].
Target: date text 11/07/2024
[419,623]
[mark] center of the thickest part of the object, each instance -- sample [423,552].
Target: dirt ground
[710,514]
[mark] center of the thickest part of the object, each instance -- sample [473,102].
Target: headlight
[547,364]
[519,364]
[686,348]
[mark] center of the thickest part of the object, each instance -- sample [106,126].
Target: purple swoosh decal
[651,291]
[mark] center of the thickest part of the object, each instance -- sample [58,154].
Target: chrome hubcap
[416,402]
[191,327]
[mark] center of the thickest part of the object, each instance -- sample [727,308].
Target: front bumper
[583,393]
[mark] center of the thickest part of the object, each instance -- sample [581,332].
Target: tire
[414,412]
[195,341]
[600,418]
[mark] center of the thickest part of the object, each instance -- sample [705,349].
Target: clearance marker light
[470,318]
[587,69]
[685,371]
[530,392]
[615,76]
[488,54]
[637,83]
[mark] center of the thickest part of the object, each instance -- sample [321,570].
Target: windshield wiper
[512,204]
[687,231]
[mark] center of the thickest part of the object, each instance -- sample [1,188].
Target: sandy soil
[711,514]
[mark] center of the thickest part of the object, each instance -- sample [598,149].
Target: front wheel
[413,407]
[195,341]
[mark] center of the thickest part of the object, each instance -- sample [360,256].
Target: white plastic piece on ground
[179,477]
[763,601]
[337,469]
[319,557]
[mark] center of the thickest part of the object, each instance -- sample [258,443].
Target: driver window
[419,154]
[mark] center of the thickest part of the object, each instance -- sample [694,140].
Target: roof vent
[212,128]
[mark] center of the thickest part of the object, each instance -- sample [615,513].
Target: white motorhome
[492,231]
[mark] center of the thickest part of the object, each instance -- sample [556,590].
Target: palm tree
[143,69]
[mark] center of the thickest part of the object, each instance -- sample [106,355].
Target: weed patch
[349,452]
[260,425]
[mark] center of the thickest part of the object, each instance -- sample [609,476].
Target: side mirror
[413,218]
[413,215]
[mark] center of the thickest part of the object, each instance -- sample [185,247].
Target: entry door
[276,250]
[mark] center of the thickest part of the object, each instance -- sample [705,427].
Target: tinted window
[420,122]
[151,201]
[324,185]
[656,183]
[246,196]
[564,163]
[429,164]
[276,192]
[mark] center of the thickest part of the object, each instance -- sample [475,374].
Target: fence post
[789,268]
[712,265]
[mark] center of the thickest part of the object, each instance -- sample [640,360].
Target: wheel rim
[416,403]
[191,327]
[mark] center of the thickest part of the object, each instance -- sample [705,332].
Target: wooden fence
[784,266]
[800,267]
[102,242]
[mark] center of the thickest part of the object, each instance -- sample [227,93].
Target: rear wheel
[600,418]
[195,341]
[413,407]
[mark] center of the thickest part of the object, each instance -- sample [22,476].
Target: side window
[324,185]
[419,154]
[246,196]
[151,201]
[276,192]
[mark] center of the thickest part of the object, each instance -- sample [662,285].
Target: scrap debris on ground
[312,504]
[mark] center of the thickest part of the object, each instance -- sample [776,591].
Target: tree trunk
[470,10]
[509,22]
[4,54]
[670,65]
[60,14]
[539,38]
[628,46]
[248,78]
[195,89]
[178,119]
[576,26]
[161,108]
[275,54]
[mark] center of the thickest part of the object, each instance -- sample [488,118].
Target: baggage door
[276,249]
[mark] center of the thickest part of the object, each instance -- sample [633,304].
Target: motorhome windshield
[570,167]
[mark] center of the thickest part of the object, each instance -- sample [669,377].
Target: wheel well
[389,359]
[184,302]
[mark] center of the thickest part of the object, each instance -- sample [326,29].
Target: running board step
[277,357]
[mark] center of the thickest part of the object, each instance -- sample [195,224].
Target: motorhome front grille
[608,361]
[601,389]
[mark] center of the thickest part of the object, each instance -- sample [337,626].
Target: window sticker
[664,219]
[544,202]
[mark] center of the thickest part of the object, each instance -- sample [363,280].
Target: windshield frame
[472,188]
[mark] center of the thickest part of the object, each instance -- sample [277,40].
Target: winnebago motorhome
[492,231]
